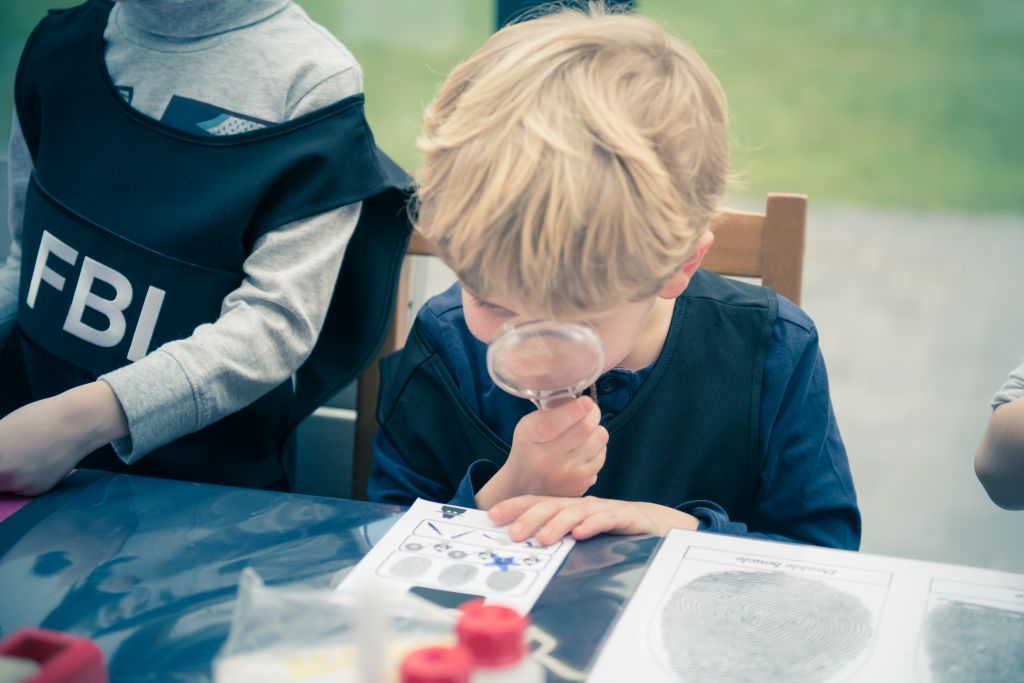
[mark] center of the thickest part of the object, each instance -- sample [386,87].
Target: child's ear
[680,280]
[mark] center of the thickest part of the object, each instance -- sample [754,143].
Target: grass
[909,103]
[913,103]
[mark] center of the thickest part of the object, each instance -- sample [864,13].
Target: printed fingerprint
[505,581]
[457,574]
[762,626]
[410,567]
[978,643]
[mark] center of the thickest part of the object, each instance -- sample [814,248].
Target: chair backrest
[768,245]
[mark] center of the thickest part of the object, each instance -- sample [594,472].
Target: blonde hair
[572,162]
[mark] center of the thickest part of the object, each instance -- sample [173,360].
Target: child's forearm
[495,490]
[41,441]
[999,461]
[95,412]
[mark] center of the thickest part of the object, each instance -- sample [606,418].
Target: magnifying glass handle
[557,398]
[553,402]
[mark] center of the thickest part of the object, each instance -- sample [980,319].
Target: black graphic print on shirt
[199,117]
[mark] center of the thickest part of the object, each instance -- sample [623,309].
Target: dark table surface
[148,569]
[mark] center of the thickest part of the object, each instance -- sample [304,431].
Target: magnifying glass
[545,361]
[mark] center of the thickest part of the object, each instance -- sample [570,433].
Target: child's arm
[42,441]
[999,462]
[806,491]
[554,452]
[393,481]
[266,329]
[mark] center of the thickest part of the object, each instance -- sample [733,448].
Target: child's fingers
[579,433]
[591,448]
[537,516]
[598,523]
[544,426]
[509,510]
[618,519]
[569,518]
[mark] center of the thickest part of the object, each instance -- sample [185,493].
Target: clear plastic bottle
[494,636]
[437,665]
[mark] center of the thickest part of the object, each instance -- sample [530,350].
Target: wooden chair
[768,245]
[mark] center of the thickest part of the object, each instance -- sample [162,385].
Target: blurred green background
[902,103]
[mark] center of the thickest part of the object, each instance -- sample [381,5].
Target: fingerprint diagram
[761,626]
[968,642]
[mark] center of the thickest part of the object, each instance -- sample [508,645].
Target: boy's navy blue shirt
[805,491]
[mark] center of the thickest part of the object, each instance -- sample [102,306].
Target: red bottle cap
[62,658]
[437,665]
[493,634]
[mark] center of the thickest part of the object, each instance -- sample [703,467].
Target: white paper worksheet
[458,550]
[728,609]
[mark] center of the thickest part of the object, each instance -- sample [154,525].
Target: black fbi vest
[691,432]
[134,232]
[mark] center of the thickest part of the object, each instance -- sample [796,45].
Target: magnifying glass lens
[544,361]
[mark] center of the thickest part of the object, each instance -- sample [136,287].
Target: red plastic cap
[437,665]
[62,658]
[493,634]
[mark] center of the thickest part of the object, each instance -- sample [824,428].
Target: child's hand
[549,519]
[42,441]
[555,452]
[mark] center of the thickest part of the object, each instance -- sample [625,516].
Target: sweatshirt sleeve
[806,491]
[1012,389]
[19,170]
[394,481]
[266,329]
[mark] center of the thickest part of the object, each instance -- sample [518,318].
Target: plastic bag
[319,635]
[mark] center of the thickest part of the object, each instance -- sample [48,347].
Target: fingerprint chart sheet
[729,609]
[443,551]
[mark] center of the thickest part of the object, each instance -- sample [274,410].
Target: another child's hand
[42,441]
[555,452]
[549,519]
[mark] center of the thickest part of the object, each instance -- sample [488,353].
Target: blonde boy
[572,167]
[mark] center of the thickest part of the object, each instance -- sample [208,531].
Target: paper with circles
[727,609]
[457,552]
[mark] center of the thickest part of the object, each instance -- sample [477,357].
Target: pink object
[437,665]
[62,658]
[495,638]
[492,633]
[10,503]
